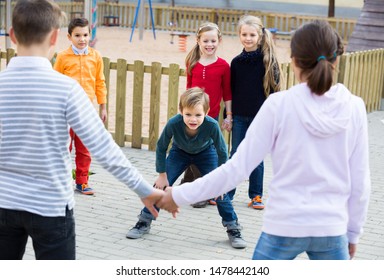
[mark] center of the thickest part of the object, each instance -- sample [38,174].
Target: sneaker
[235,239]
[139,230]
[212,202]
[256,203]
[200,204]
[84,189]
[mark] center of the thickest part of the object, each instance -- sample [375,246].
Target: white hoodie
[319,151]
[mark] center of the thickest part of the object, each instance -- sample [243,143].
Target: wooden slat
[137,106]
[154,112]
[107,75]
[121,91]
[173,89]
[367,35]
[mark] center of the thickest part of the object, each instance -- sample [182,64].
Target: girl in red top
[210,72]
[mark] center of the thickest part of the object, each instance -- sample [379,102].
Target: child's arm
[100,88]
[161,154]
[227,97]
[189,81]
[220,145]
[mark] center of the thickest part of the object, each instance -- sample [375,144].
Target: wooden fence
[136,113]
[186,19]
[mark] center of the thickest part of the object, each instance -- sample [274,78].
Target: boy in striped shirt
[37,107]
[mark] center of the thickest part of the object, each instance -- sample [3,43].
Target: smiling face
[80,37]
[249,37]
[208,42]
[193,117]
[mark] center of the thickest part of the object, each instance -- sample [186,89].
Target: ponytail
[320,78]
[316,58]
[192,58]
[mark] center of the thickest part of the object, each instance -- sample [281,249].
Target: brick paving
[103,220]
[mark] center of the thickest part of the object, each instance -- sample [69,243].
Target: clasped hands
[161,197]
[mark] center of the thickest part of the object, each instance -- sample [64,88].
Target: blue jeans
[207,160]
[239,128]
[272,247]
[53,238]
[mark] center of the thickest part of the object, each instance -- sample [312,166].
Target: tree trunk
[331,8]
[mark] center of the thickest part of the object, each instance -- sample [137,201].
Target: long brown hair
[317,56]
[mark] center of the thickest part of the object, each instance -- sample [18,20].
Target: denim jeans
[239,128]
[272,247]
[207,160]
[53,238]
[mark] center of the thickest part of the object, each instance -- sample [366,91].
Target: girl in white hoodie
[317,136]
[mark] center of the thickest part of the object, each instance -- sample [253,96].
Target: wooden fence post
[343,69]
[137,106]
[121,91]
[107,75]
[173,89]
[10,53]
[154,112]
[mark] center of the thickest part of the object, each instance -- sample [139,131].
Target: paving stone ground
[103,220]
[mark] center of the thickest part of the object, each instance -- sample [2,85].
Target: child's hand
[103,112]
[103,115]
[167,203]
[161,182]
[227,125]
[151,200]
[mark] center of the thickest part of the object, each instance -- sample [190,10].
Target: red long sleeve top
[215,79]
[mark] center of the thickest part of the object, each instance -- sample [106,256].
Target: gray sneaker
[235,239]
[139,230]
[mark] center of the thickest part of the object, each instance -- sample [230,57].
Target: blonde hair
[193,97]
[272,77]
[194,55]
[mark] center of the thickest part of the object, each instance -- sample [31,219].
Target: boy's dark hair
[315,47]
[77,22]
[33,20]
[193,97]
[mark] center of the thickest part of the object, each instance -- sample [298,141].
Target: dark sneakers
[235,239]
[200,204]
[139,230]
[234,235]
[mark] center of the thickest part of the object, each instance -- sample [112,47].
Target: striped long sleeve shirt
[37,107]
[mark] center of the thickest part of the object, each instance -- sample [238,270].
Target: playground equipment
[141,22]
[182,40]
[93,21]
[111,18]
